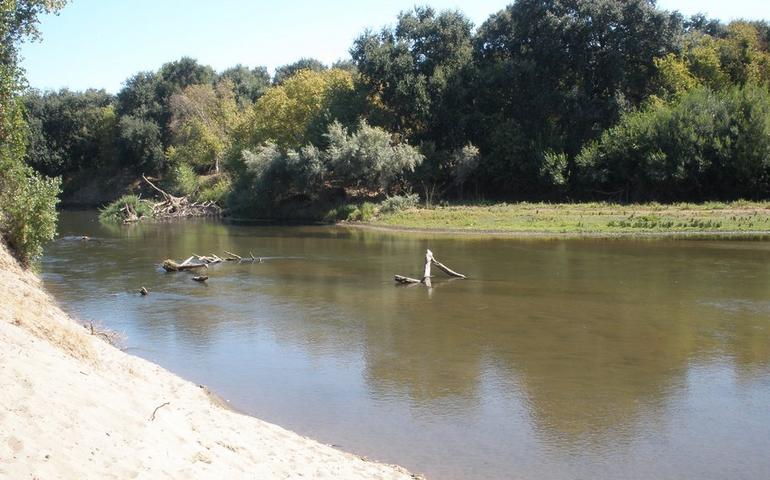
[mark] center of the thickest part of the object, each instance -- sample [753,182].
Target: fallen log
[426,276]
[171,266]
[406,280]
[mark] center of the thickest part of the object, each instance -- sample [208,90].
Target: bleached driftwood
[429,260]
[446,269]
[203,261]
[176,207]
[171,266]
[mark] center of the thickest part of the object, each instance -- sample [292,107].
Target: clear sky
[100,43]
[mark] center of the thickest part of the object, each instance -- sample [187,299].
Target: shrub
[183,180]
[119,210]
[28,216]
[341,212]
[399,202]
[27,199]
[216,192]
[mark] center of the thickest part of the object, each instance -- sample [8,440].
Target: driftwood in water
[203,261]
[429,260]
[177,207]
[446,269]
[201,278]
[426,272]
[406,280]
[171,266]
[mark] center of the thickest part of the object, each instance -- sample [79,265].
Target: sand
[74,407]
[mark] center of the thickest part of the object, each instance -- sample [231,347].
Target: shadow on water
[556,358]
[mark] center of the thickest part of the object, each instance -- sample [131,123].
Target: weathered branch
[447,270]
[158,408]
[429,260]
[167,196]
[406,280]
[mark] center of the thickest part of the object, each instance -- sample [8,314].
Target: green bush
[183,180]
[703,145]
[216,192]
[365,213]
[28,216]
[341,212]
[117,211]
[399,202]
[27,199]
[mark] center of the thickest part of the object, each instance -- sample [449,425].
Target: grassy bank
[588,218]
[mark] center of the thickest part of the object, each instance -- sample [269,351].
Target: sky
[100,43]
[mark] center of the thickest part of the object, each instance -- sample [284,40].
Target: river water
[555,359]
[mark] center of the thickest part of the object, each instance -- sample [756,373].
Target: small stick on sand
[158,408]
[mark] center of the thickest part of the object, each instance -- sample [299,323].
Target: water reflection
[556,358]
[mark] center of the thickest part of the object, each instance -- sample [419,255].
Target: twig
[158,408]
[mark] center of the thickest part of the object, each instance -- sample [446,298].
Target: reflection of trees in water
[598,334]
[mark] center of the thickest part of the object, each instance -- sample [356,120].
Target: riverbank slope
[73,406]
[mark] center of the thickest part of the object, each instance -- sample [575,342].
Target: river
[556,359]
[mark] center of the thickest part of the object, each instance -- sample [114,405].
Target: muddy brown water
[557,359]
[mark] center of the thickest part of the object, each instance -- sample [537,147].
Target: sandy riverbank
[72,406]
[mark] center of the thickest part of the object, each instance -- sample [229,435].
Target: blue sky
[100,43]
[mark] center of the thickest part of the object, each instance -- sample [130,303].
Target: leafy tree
[145,114]
[554,74]
[202,122]
[248,84]
[139,143]
[367,158]
[70,131]
[27,200]
[297,112]
[18,23]
[285,72]
[704,145]
[413,72]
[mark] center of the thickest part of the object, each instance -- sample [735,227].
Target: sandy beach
[72,407]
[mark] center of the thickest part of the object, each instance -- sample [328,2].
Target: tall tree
[298,111]
[202,121]
[70,131]
[413,71]
[554,74]
[248,84]
[27,200]
[284,72]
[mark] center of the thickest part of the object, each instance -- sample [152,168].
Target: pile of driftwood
[429,260]
[177,207]
[203,261]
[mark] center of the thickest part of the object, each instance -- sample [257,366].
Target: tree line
[546,100]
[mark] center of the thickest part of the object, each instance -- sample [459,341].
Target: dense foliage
[546,100]
[27,199]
